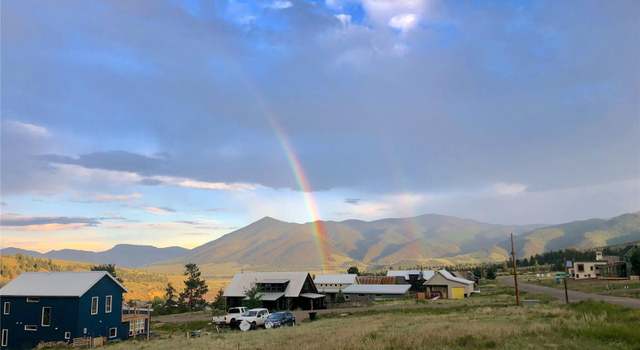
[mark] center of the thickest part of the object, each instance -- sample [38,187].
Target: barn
[62,306]
[447,286]
[330,285]
[278,290]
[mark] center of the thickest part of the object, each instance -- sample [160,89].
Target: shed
[447,286]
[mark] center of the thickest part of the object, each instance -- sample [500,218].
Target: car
[255,317]
[233,315]
[280,319]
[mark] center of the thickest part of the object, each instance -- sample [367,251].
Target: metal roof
[377,289]
[54,284]
[426,274]
[274,280]
[243,281]
[312,295]
[270,296]
[336,279]
[447,275]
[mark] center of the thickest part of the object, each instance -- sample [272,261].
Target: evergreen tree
[195,288]
[353,270]
[219,303]
[110,268]
[171,304]
[491,273]
[634,259]
[253,298]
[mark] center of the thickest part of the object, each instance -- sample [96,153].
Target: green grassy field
[485,321]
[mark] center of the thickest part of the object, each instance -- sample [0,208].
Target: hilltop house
[64,306]
[330,285]
[278,290]
[442,283]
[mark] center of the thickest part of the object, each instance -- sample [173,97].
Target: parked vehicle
[255,317]
[233,315]
[280,319]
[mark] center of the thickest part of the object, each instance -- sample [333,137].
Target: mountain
[427,238]
[126,255]
[583,234]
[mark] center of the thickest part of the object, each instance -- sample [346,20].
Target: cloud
[509,189]
[344,19]
[398,14]
[404,22]
[280,5]
[116,197]
[159,210]
[352,200]
[15,222]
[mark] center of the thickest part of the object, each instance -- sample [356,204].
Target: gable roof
[449,276]
[336,279]
[377,289]
[55,284]
[426,274]
[243,281]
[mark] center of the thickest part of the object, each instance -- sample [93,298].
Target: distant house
[278,290]
[60,306]
[330,285]
[447,286]
[587,269]
[370,292]
[415,278]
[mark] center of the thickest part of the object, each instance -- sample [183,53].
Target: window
[30,327]
[6,308]
[108,300]
[67,335]
[94,305]
[5,337]
[46,316]
[33,300]
[113,332]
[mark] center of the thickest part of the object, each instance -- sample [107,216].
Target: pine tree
[340,297]
[219,303]
[253,298]
[170,299]
[195,288]
[110,268]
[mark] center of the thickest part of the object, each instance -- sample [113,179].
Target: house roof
[243,281]
[426,274]
[449,276]
[336,279]
[55,284]
[270,296]
[398,289]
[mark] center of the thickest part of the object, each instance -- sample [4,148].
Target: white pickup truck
[255,317]
[234,314]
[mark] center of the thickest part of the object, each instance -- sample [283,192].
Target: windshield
[234,311]
[276,316]
[251,313]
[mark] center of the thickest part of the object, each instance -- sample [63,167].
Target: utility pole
[515,270]
[566,292]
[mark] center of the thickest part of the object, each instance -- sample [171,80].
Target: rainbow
[318,227]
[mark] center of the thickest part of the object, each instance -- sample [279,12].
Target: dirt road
[574,296]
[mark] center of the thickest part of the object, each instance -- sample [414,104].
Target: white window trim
[6,308]
[97,299]
[115,334]
[42,316]
[108,304]
[67,335]
[33,300]
[31,327]
[5,337]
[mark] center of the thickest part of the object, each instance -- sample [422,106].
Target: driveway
[574,296]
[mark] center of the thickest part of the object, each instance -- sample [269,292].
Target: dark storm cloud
[534,94]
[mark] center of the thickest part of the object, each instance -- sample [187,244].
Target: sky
[175,122]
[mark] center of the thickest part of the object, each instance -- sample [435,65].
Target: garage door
[457,293]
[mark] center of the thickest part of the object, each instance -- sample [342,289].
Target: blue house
[61,306]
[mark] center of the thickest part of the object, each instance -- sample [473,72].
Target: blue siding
[68,314]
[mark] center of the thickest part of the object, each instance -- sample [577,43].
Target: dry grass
[482,322]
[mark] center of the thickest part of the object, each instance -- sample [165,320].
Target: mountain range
[426,239]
